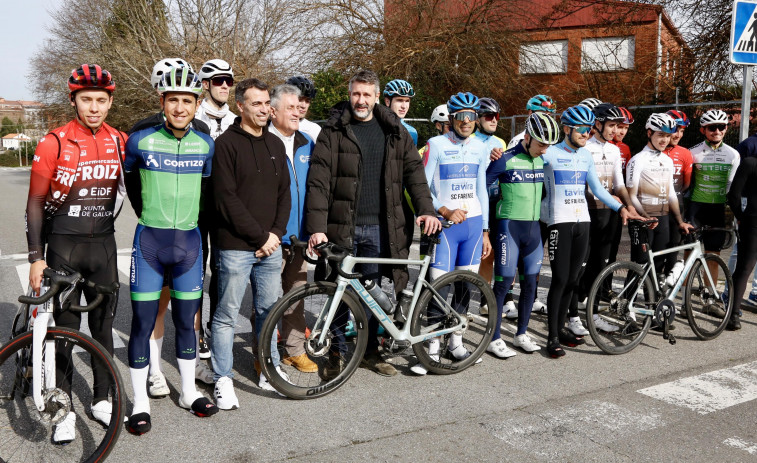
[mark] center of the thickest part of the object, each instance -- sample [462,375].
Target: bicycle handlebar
[60,280]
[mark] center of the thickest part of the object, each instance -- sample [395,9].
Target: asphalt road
[692,401]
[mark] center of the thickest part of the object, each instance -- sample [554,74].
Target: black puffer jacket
[334,183]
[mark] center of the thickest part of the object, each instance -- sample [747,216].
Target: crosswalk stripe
[709,392]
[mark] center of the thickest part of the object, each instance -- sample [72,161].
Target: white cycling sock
[139,385]
[156,348]
[455,341]
[188,390]
[197,346]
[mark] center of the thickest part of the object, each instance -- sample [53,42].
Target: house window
[548,57]
[607,54]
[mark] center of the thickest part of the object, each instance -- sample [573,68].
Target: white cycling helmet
[713,116]
[440,114]
[215,67]
[661,122]
[590,103]
[165,65]
[180,80]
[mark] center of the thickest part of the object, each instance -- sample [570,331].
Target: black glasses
[220,80]
[463,115]
[715,127]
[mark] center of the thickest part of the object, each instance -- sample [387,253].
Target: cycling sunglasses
[714,127]
[463,115]
[490,117]
[582,129]
[220,80]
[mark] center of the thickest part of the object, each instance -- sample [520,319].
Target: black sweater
[251,186]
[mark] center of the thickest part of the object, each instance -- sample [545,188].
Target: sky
[22,34]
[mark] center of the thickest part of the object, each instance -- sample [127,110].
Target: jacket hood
[341,116]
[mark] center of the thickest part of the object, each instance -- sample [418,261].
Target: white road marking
[748,447]
[709,392]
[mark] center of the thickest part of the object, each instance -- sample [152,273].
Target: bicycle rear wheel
[26,433]
[616,292]
[705,308]
[304,310]
[464,292]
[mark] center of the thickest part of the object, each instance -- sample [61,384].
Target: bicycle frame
[42,322]
[347,266]
[695,254]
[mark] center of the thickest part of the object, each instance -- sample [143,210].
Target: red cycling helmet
[90,76]
[627,116]
[680,117]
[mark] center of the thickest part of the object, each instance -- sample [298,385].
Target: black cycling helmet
[608,112]
[307,89]
[488,106]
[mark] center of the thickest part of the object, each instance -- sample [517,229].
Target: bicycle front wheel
[89,373]
[616,297]
[310,368]
[462,292]
[707,309]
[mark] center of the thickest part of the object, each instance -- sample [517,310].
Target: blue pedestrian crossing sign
[744,32]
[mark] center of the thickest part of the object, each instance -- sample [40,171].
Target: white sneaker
[509,310]
[203,373]
[433,352]
[500,349]
[604,325]
[158,385]
[266,386]
[539,307]
[524,342]
[224,394]
[101,411]
[675,272]
[575,325]
[65,431]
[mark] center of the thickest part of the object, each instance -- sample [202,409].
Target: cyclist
[681,180]
[537,103]
[307,94]
[604,223]
[440,118]
[486,126]
[158,385]
[568,168]
[164,169]
[715,164]
[620,134]
[397,96]
[217,78]
[649,177]
[455,166]
[76,190]
[520,172]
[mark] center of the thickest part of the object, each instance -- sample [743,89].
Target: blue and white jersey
[491,142]
[412,131]
[566,174]
[456,174]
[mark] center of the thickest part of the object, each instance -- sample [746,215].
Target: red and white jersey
[682,161]
[608,164]
[625,154]
[649,179]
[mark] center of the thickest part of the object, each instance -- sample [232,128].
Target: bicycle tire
[350,342]
[462,288]
[26,434]
[609,299]
[702,306]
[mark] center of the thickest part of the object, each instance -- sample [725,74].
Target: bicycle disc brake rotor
[313,348]
[57,405]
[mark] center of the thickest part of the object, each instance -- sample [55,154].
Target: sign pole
[746,97]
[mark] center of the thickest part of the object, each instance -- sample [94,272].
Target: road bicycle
[336,327]
[631,296]
[47,371]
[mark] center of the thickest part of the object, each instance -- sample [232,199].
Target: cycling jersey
[651,173]
[456,173]
[521,178]
[566,174]
[609,166]
[625,154]
[411,129]
[218,120]
[76,186]
[310,128]
[491,142]
[170,170]
[516,139]
[682,162]
[714,169]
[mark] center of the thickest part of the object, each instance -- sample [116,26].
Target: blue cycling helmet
[462,101]
[541,103]
[398,87]
[577,115]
